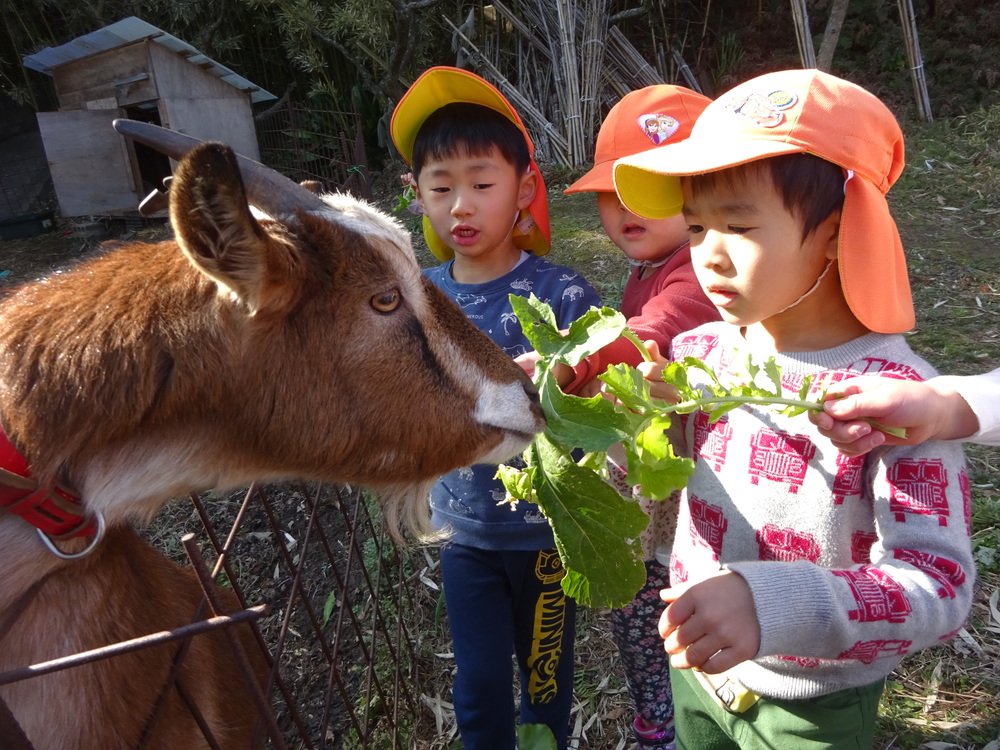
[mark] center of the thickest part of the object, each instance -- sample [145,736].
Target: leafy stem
[687,406]
[628,334]
[596,529]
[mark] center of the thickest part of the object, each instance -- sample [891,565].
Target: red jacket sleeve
[659,307]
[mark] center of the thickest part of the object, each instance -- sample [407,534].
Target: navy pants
[501,603]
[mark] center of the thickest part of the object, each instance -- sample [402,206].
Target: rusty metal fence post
[327,593]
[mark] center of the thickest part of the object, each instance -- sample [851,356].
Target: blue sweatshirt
[466,500]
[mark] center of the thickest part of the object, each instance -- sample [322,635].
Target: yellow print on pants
[547,638]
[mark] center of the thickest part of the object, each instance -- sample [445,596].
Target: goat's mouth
[512,443]
[527,437]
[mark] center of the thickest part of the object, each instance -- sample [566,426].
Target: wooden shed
[134,70]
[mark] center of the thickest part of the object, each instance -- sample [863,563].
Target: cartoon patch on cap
[782,99]
[767,110]
[658,128]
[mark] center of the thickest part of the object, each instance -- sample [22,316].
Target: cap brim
[600,179]
[872,263]
[437,87]
[648,183]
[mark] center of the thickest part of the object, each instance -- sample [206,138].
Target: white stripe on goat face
[499,404]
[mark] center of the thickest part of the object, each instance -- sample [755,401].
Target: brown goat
[296,340]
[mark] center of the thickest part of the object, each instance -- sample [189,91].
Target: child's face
[640,239]
[748,255]
[473,201]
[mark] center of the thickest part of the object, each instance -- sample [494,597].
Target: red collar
[53,511]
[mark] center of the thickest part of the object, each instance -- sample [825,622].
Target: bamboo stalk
[595,31]
[800,15]
[689,77]
[909,23]
[524,30]
[569,92]
[542,125]
[570,67]
[628,59]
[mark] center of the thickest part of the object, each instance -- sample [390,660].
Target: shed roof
[130,30]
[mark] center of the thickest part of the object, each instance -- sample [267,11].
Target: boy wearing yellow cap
[486,216]
[799,577]
[661,299]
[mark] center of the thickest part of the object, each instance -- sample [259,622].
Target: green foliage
[596,529]
[405,198]
[535,737]
[729,55]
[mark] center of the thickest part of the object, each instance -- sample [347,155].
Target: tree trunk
[834,24]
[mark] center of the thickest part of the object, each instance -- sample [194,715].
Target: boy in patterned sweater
[799,577]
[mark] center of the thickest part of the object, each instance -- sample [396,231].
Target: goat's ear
[214,226]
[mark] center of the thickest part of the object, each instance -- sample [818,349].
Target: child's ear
[527,188]
[829,230]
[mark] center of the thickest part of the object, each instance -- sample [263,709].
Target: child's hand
[653,373]
[710,625]
[923,410]
[527,361]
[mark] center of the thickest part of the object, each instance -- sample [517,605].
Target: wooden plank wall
[198,103]
[90,83]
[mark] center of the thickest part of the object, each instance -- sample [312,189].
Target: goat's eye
[387,301]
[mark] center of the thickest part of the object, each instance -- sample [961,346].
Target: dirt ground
[23,260]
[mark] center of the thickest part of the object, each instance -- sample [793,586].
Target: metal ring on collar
[76,555]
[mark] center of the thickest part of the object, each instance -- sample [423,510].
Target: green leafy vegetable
[596,529]
[535,737]
[405,198]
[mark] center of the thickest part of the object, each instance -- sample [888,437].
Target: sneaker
[653,738]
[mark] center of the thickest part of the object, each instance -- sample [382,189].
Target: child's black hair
[471,129]
[810,187]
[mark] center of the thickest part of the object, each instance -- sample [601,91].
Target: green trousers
[844,720]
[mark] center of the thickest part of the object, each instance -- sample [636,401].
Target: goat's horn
[268,190]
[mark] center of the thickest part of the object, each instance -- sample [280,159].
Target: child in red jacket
[662,299]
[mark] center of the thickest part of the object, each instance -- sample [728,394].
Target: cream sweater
[852,563]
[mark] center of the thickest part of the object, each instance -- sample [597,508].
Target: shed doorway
[151,167]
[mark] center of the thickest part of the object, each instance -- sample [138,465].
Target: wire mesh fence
[314,144]
[326,593]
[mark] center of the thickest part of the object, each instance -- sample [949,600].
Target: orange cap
[443,85]
[801,111]
[642,119]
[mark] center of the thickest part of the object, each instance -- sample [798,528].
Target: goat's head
[298,340]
